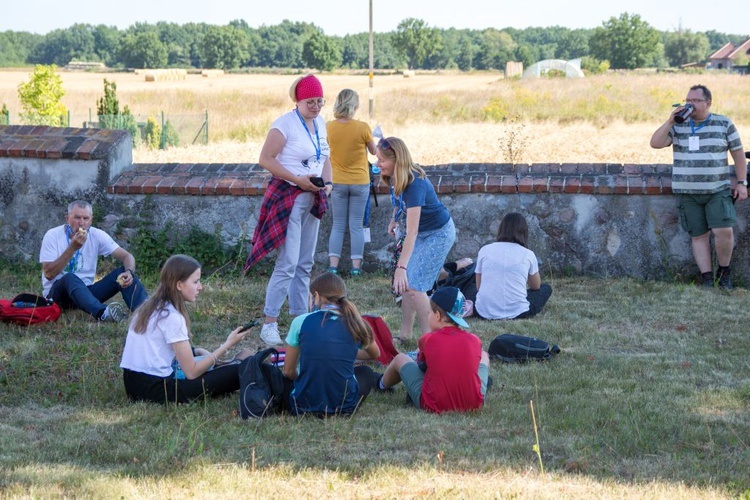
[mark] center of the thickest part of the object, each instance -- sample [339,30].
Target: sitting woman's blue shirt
[325,382]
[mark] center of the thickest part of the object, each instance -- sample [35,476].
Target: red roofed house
[730,56]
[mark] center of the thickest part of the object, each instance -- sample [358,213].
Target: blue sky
[339,17]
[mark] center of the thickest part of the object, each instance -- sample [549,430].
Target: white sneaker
[270,334]
[114,313]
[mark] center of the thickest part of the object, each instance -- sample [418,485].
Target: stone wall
[597,219]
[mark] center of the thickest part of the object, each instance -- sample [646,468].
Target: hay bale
[212,73]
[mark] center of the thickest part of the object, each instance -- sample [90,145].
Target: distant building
[731,57]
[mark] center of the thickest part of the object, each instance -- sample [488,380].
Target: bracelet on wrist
[213,356]
[401,267]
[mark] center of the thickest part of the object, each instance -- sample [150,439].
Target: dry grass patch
[444,117]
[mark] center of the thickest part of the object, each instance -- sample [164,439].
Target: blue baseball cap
[451,300]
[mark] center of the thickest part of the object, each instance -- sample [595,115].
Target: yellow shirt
[348,143]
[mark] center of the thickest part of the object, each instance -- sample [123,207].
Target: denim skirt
[430,251]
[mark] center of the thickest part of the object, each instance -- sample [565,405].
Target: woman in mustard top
[350,140]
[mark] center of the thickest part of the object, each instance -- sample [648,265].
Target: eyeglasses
[311,103]
[384,144]
[694,101]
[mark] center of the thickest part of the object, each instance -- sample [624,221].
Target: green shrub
[41,97]
[152,248]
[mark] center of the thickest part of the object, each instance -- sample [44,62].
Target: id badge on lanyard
[694,143]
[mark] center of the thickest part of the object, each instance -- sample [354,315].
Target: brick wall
[601,219]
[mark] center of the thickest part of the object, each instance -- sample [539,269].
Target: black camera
[684,114]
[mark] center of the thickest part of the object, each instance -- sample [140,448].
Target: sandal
[333,270]
[356,272]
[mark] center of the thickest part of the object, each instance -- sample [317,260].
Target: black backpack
[261,385]
[464,279]
[510,348]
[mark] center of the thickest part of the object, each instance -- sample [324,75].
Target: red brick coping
[237,179]
[32,141]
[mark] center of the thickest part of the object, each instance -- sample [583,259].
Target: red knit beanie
[309,87]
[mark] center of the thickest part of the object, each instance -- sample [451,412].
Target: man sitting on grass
[69,256]
[451,371]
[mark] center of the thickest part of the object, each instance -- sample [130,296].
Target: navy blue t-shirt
[325,383]
[421,193]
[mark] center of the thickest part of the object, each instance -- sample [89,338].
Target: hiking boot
[270,334]
[114,313]
[707,280]
[725,279]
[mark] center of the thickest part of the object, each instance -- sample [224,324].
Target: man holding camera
[69,256]
[700,179]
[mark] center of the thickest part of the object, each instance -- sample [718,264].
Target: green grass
[649,398]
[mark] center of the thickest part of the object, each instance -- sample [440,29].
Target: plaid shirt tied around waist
[278,202]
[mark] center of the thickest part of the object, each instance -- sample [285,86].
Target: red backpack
[29,309]
[382,335]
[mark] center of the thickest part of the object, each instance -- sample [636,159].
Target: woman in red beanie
[296,153]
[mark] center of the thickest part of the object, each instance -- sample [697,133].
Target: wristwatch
[744,183]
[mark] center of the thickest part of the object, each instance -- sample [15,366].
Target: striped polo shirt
[704,171]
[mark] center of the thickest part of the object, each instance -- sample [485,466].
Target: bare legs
[414,305]
[724,243]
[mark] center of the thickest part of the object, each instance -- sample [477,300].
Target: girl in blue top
[430,233]
[322,347]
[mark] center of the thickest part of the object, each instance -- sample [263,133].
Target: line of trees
[626,42]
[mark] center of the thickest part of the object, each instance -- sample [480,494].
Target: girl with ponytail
[322,347]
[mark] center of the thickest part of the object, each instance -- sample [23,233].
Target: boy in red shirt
[451,371]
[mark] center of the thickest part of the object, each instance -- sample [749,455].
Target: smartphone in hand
[318,181]
[249,325]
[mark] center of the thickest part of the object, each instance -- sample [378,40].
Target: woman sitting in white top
[507,274]
[158,363]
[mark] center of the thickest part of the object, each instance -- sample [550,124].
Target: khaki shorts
[701,212]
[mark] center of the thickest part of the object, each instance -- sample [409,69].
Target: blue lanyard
[315,125]
[398,204]
[692,125]
[72,263]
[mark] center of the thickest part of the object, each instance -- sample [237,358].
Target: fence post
[68,119]
[205,141]
[163,137]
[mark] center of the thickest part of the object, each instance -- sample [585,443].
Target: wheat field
[443,117]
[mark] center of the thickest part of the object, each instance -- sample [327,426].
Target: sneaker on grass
[270,334]
[725,280]
[114,313]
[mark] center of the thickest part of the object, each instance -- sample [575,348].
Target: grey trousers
[348,202]
[291,274]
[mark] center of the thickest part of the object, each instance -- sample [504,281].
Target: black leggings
[143,387]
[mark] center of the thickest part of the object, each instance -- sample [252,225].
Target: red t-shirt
[451,382]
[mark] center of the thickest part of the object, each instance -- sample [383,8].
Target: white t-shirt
[505,268]
[151,352]
[299,152]
[83,264]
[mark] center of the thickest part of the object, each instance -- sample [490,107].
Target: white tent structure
[572,68]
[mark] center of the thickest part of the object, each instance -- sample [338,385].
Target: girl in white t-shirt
[508,282]
[159,335]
